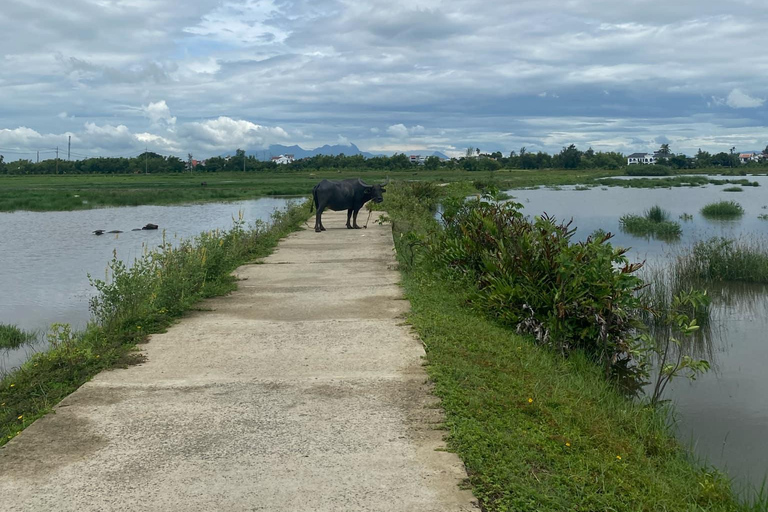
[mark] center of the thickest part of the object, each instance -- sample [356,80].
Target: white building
[745,158]
[283,159]
[641,158]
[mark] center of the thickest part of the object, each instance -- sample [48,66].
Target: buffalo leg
[354,222]
[349,214]
[319,220]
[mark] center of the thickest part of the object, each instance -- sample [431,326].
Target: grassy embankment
[137,301]
[537,431]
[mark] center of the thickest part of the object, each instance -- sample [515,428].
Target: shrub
[733,189]
[723,209]
[571,296]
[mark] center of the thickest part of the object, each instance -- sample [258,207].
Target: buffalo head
[374,191]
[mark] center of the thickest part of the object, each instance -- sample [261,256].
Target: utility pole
[146,164]
[243,160]
[57,159]
[69,147]
[38,156]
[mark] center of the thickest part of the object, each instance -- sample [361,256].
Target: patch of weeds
[653,223]
[723,210]
[12,337]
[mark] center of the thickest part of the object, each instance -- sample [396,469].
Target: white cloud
[159,114]
[225,133]
[739,99]
[325,67]
[400,131]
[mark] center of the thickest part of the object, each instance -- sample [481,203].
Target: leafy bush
[530,275]
[723,209]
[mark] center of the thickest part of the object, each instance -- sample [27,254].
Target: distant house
[417,159]
[283,159]
[192,164]
[641,158]
[745,158]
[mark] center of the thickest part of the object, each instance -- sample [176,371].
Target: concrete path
[301,391]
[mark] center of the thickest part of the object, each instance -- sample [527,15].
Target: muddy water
[724,414]
[45,257]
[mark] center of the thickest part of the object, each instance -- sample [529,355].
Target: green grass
[143,299]
[675,181]
[535,430]
[653,223]
[12,337]
[721,259]
[538,432]
[79,192]
[723,210]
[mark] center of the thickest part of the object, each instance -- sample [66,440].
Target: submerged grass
[537,431]
[675,181]
[653,223]
[723,210]
[138,300]
[12,337]
[723,259]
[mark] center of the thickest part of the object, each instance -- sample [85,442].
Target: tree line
[570,157]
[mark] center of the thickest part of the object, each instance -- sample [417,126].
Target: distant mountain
[299,152]
[336,149]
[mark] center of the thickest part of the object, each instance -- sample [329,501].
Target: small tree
[671,366]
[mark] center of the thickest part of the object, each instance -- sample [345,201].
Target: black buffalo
[348,195]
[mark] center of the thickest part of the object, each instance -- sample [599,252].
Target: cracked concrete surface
[301,391]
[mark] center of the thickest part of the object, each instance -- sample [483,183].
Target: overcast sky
[211,76]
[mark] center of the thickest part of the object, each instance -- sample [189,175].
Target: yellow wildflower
[567,444]
[13,385]
[530,400]
[618,457]
[20,417]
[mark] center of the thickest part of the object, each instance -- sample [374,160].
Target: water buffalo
[348,195]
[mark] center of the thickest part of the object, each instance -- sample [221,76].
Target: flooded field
[46,257]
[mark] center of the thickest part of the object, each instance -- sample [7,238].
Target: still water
[723,415]
[46,257]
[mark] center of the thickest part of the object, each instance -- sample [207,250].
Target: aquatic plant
[653,223]
[686,217]
[723,209]
[723,259]
[733,189]
[13,337]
